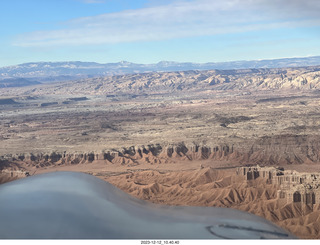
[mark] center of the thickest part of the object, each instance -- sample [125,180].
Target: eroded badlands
[178,138]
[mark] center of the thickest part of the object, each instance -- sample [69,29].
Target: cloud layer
[178,20]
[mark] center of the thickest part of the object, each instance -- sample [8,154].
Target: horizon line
[162,61]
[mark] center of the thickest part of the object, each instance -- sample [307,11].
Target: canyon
[245,139]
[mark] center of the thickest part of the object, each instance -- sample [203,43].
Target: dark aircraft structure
[71,205]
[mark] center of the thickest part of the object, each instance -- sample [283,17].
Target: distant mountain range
[45,72]
[16,82]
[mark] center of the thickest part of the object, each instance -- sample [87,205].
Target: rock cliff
[277,150]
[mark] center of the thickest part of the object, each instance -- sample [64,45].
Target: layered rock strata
[276,150]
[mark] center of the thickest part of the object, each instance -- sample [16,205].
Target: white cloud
[177,20]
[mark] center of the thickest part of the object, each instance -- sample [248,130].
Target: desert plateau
[245,139]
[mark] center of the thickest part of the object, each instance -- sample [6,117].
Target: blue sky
[149,31]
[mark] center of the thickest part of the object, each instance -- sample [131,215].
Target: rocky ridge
[220,188]
[61,71]
[307,78]
[279,150]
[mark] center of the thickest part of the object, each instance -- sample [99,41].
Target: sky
[150,31]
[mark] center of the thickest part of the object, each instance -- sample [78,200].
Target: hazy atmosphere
[149,119]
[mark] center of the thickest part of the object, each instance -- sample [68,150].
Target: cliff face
[276,150]
[297,212]
[285,149]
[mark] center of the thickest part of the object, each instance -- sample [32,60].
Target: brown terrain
[179,138]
